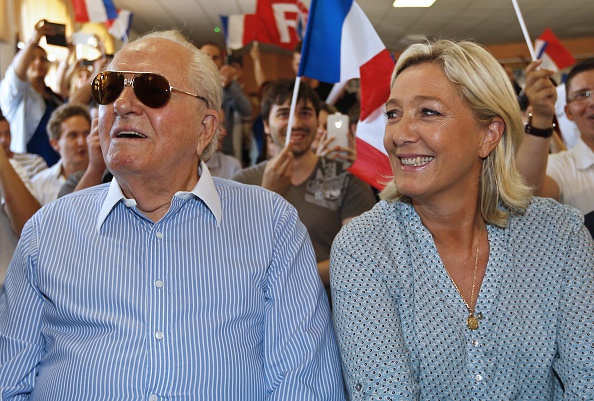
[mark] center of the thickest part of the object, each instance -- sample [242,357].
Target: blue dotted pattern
[401,324]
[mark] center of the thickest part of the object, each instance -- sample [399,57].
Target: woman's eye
[430,112]
[390,114]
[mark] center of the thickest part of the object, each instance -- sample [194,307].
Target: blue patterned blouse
[401,324]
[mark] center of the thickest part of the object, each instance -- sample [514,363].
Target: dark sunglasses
[151,89]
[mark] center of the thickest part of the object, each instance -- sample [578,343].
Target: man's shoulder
[236,187]
[251,175]
[251,199]
[572,167]
[580,156]
[78,206]
[86,196]
[31,162]
[230,160]
[43,175]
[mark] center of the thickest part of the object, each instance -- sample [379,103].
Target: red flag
[276,22]
[341,44]
[554,55]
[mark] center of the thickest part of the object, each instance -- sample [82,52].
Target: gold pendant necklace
[471,321]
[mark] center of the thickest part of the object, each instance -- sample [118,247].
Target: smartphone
[338,128]
[59,38]
[81,38]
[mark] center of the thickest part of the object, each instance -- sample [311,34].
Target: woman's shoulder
[546,214]
[383,220]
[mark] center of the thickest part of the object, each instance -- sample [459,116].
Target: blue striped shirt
[219,300]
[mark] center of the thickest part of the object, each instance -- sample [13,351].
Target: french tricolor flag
[120,27]
[276,22]
[554,55]
[239,29]
[341,44]
[94,10]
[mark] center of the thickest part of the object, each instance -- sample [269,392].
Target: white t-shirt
[573,171]
[47,184]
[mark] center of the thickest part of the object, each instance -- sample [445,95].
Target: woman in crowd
[459,285]
[25,99]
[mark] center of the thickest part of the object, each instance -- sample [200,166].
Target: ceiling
[484,21]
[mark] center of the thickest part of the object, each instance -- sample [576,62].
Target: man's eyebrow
[578,90]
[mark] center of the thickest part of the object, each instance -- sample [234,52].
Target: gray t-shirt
[330,195]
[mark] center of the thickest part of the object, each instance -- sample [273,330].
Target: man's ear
[266,127]
[568,112]
[55,145]
[210,124]
[492,134]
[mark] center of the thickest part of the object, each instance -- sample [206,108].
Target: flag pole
[292,110]
[524,30]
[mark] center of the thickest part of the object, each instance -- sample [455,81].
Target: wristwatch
[543,133]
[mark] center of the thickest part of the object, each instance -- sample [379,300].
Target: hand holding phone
[55,34]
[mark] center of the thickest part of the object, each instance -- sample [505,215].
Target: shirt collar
[582,155]
[204,189]
[56,169]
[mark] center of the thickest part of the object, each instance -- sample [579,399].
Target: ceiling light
[413,3]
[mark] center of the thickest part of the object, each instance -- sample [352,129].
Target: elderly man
[165,284]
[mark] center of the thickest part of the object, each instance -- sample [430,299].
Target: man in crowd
[68,129]
[566,176]
[236,105]
[323,192]
[165,284]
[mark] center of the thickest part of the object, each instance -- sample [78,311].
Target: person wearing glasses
[567,176]
[25,99]
[165,283]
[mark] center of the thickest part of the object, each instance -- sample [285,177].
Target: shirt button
[159,335]
[475,343]
[159,284]
[153,398]
[478,378]
[159,234]
[358,387]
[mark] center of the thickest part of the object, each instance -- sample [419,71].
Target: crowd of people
[145,255]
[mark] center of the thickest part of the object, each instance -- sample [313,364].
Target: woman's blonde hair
[485,87]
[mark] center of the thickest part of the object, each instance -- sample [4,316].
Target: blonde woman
[459,285]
